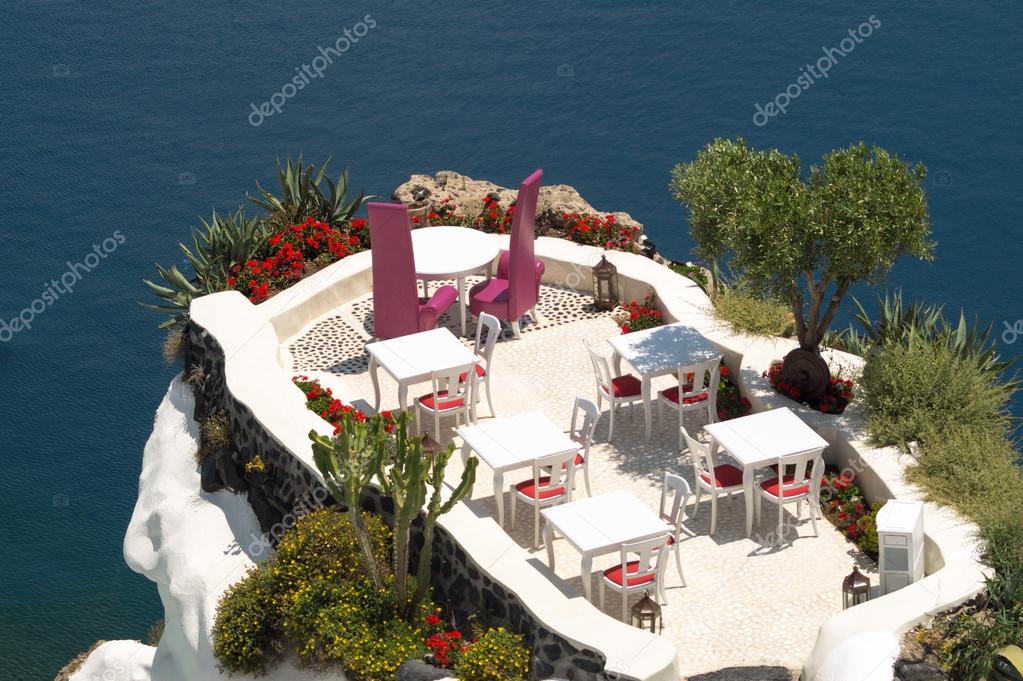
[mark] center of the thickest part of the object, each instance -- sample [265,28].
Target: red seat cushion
[614,574]
[672,394]
[725,475]
[480,371]
[453,403]
[771,487]
[528,489]
[626,386]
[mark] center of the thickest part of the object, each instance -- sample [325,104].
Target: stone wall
[288,488]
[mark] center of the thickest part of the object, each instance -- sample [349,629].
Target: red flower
[724,371]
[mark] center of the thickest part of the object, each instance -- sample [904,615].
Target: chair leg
[490,400]
[536,525]
[713,512]
[678,561]
[436,425]
[699,494]
[781,521]
[799,509]
[601,580]
[516,329]
[758,508]
[513,496]
[611,427]
[625,605]
[813,518]
[419,428]
[586,476]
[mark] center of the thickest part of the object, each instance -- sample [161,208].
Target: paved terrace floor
[746,603]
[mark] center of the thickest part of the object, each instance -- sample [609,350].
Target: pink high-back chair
[397,308]
[511,296]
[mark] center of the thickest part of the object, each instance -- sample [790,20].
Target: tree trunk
[806,371]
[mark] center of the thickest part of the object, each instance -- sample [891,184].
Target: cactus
[382,449]
[348,463]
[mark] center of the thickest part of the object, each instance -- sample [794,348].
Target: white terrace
[747,601]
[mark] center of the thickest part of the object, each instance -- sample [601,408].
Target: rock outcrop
[193,545]
[468,194]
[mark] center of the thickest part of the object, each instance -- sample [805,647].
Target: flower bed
[603,231]
[293,253]
[641,315]
[845,507]
[322,402]
[836,398]
[731,403]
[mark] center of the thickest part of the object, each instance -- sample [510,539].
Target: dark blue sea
[134,118]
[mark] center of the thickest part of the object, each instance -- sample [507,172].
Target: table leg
[499,496]
[462,302]
[373,366]
[548,540]
[465,453]
[402,395]
[747,491]
[646,405]
[618,363]
[585,573]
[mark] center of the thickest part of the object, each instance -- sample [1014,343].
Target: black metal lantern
[605,284]
[647,612]
[855,589]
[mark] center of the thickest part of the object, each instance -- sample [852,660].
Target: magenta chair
[397,308]
[513,295]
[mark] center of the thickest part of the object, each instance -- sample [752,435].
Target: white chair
[637,575]
[801,485]
[711,477]
[551,484]
[450,395]
[581,431]
[484,348]
[625,389]
[698,393]
[675,488]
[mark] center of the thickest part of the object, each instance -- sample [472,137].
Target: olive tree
[805,241]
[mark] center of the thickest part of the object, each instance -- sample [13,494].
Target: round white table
[446,252]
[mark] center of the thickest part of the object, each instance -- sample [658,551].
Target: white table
[452,253]
[758,440]
[599,525]
[413,358]
[513,442]
[659,351]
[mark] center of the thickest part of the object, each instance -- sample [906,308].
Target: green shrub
[323,546]
[915,389]
[214,436]
[354,624]
[495,655]
[247,628]
[691,271]
[747,312]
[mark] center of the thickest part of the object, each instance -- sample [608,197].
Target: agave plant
[916,322]
[224,241]
[302,195]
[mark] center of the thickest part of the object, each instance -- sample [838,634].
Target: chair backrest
[650,553]
[395,299]
[446,381]
[584,422]
[706,377]
[704,458]
[558,470]
[601,369]
[522,292]
[484,347]
[800,476]
[675,488]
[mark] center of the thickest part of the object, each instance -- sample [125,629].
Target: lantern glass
[646,614]
[855,589]
[605,284]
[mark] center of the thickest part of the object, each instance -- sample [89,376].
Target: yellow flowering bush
[354,624]
[247,629]
[323,546]
[495,655]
